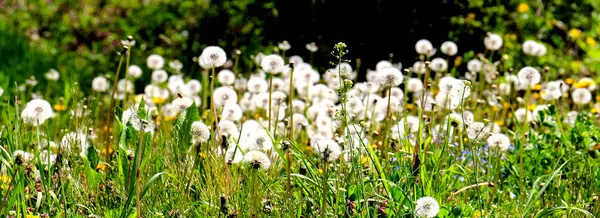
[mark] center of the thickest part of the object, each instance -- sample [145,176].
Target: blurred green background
[81,39]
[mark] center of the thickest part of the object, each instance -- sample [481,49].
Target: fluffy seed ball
[212,56]
[273,64]
[427,207]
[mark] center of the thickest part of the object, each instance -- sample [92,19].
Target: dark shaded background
[371,29]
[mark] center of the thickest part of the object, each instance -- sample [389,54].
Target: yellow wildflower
[523,8]
[59,107]
[500,122]
[590,41]
[569,81]
[583,83]
[110,150]
[536,95]
[537,87]
[102,166]
[575,33]
[531,107]
[470,17]
[409,106]
[158,100]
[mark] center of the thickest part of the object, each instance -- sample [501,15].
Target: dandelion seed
[427,207]
[383,64]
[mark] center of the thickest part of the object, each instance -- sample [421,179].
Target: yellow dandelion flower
[409,106]
[523,8]
[505,105]
[494,108]
[531,107]
[594,110]
[158,100]
[569,81]
[111,150]
[59,107]
[583,83]
[31,216]
[320,170]
[575,33]
[470,17]
[536,95]
[597,98]
[590,41]
[499,122]
[537,87]
[170,118]
[102,166]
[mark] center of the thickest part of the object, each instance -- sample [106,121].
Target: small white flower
[100,84]
[257,159]
[228,129]
[212,56]
[493,41]
[155,62]
[499,141]
[581,96]
[273,64]
[530,47]
[134,71]
[529,76]
[449,48]
[427,207]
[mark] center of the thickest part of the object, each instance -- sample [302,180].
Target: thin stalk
[324,185]
[111,110]
[138,156]
[270,100]
[196,160]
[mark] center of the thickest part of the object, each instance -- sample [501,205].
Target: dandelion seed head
[212,56]
[155,62]
[273,64]
[427,207]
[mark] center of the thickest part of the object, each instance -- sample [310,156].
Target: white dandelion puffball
[212,56]
[194,86]
[52,75]
[449,48]
[530,47]
[200,132]
[100,84]
[176,65]
[438,65]
[223,96]
[273,64]
[328,149]
[182,103]
[474,65]
[155,62]
[159,76]
[499,141]
[581,96]
[529,76]
[312,47]
[493,42]
[257,85]
[383,64]
[284,46]
[419,67]
[523,115]
[423,47]
[427,207]
[1,91]
[257,160]
[259,140]
[226,77]
[232,112]
[134,71]
[36,112]
[22,157]
[390,77]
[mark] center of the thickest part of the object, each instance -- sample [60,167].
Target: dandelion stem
[111,110]
[270,99]
[138,156]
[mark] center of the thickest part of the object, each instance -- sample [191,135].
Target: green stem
[111,110]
